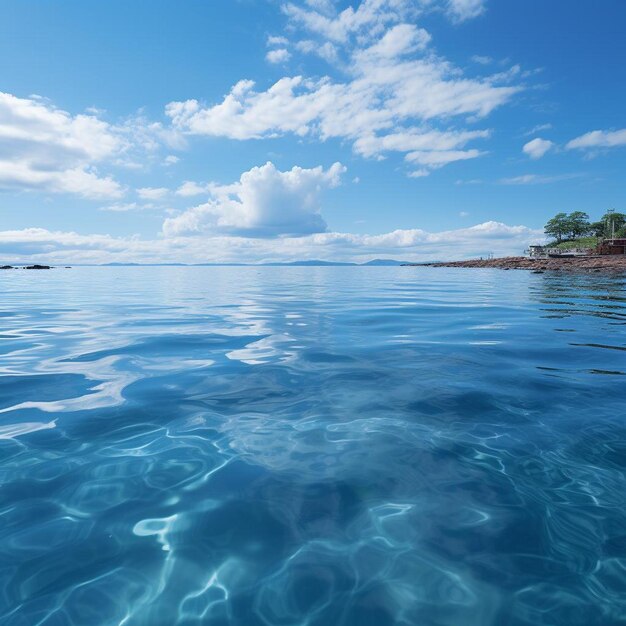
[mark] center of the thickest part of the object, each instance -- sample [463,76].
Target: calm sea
[312,446]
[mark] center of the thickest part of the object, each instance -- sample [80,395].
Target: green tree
[578,224]
[614,222]
[558,227]
[610,224]
[598,229]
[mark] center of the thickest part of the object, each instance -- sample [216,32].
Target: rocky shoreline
[608,263]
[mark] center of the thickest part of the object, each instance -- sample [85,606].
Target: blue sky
[265,129]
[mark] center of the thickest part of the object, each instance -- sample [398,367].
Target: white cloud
[120,207]
[462,10]
[398,41]
[190,188]
[324,6]
[40,245]
[277,41]
[438,158]
[482,60]
[407,140]
[152,193]
[265,202]
[599,139]
[471,181]
[538,128]
[45,148]
[50,150]
[326,50]
[537,179]
[369,18]
[382,98]
[170,159]
[421,173]
[280,55]
[394,84]
[536,148]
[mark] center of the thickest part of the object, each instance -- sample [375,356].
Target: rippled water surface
[312,446]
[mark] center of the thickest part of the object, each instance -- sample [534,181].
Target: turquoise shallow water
[312,446]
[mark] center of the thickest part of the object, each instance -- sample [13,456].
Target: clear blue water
[312,446]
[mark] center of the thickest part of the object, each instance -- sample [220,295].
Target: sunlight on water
[312,446]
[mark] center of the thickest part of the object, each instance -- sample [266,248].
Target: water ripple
[312,446]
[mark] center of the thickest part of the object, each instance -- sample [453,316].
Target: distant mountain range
[311,263]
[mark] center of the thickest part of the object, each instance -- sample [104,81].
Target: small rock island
[26,267]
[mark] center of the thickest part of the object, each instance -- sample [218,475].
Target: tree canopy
[557,227]
[610,224]
[565,227]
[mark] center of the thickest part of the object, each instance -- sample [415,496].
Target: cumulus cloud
[536,148]
[327,50]
[380,100]
[45,148]
[398,41]
[382,96]
[280,55]
[599,139]
[152,193]
[42,147]
[277,40]
[190,188]
[40,245]
[369,18]
[265,202]
[394,84]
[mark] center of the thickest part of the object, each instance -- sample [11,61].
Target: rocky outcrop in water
[26,267]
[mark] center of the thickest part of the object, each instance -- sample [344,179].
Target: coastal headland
[607,263]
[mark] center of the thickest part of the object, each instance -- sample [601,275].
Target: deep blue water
[312,446]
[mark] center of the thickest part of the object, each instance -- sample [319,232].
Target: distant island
[302,263]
